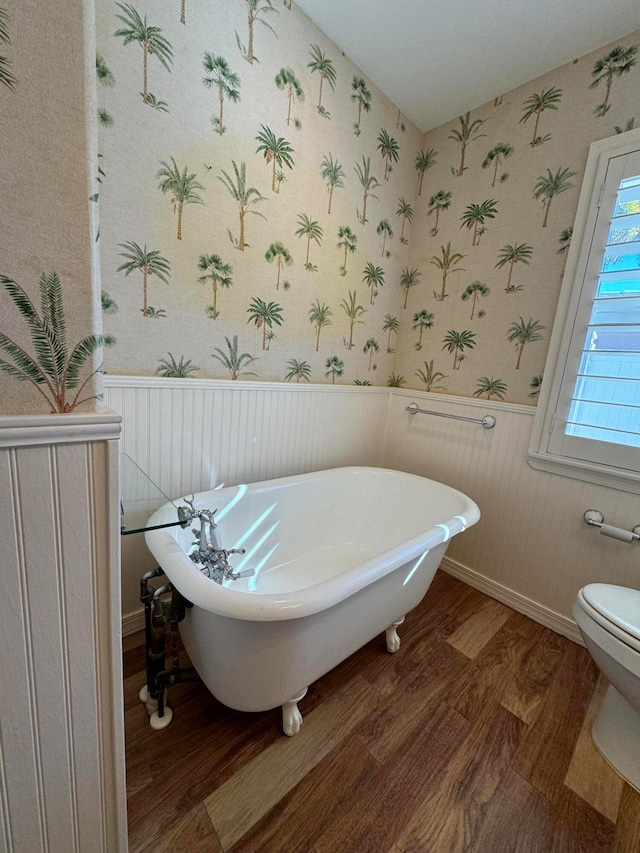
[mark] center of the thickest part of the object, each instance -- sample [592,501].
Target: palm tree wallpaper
[321,233]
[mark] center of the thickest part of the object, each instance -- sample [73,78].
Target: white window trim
[538,456]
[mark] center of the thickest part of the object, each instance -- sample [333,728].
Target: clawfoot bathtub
[338,556]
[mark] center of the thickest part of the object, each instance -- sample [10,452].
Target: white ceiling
[436,59]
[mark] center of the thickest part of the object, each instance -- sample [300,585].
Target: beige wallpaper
[265,212]
[47,171]
[500,228]
[310,289]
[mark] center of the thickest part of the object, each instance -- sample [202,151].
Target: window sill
[589,472]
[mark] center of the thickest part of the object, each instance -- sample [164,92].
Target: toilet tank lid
[618,604]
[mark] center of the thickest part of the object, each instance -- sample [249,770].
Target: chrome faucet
[214,561]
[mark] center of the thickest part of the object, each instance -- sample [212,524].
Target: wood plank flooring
[475,736]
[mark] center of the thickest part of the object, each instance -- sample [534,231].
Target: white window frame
[559,373]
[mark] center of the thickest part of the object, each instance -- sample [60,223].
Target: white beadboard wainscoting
[190,435]
[62,775]
[531,549]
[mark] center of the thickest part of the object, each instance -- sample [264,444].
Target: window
[588,422]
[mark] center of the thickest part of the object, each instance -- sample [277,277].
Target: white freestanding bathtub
[339,556]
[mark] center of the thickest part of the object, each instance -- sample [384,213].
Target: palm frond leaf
[85,348]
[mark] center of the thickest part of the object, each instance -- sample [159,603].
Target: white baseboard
[133,622]
[549,618]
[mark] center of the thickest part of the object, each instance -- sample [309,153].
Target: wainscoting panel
[531,548]
[61,737]
[190,435]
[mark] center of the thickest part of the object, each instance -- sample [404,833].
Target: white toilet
[609,620]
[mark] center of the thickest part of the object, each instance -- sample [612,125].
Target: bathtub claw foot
[393,640]
[291,716]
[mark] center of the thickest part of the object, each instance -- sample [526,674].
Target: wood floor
[473,737]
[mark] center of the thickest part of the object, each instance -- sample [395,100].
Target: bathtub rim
[226,601]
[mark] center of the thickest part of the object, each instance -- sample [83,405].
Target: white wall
[531,549]
[61,708]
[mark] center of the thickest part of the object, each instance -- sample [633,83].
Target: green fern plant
[54,370]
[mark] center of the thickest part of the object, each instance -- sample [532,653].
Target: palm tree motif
[565,240]
[161,106]
[183,11]
[362,96]
[512,255]
[373,277]
[6,77]
[408,279]
[298,370]
[522,333]
[457,342]
[473,292]
[319,317]
[216,273]
[385,230]
[369,183]
[233,361]
[446,263]
[348,241]
[536,105]
[430,377]
[353,311]
[103,75]
[361,382]
[438,201]
[548,186]
[333,173]
[617,62]
[221,77]
[172,369]
[392,326]
[405,211]
[371,347]
[324,67]
[54,370]
[105,119]
[244,196]
[535,385]
[497,154]
[264,314]
[148,263]
[424,161]
[255,8]
[335,367]
[149,38]
[390,151]
[181,186]
[468,132]
[311,229]
[476,214]
[278,253]
[287,80]
[628,126]
[491,387]
[155,313]
[276,151]
[422,320]
[396,381]
[108,303]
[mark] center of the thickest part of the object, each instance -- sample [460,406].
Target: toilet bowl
[609,620]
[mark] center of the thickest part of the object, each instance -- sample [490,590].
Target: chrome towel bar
[488,421]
